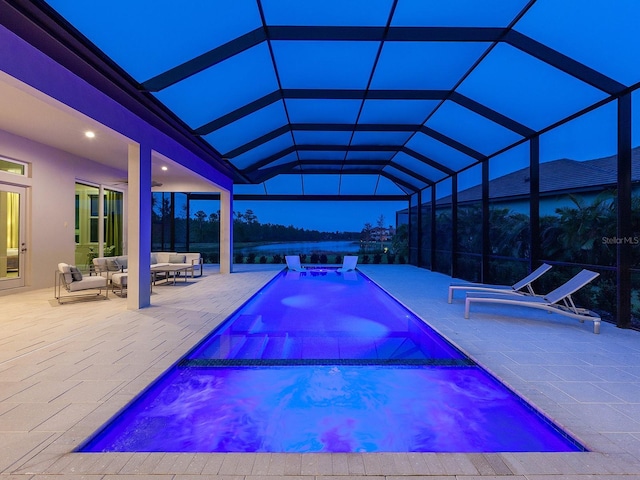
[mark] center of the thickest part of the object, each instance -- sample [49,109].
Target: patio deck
[65,370]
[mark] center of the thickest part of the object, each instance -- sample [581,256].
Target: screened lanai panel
[424,65]
[248,128]
[526,89]
[380,138]
[471,129]
[220,89]
[397,111]
[601,35]
[267,149]
[359,184]
[386,186]
[322,154]
[409,180]
[290,157]
[322,111]
[364,13]
[440,152]
[324,64]
[306,137]
[375,155]
[321,184]
[250,189]
[419,167]
[284,185]
[133,33]
[457,13]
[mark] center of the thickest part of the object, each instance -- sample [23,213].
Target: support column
[226,231]
[534,204]
[625,227]
[101,221]
[139,231]
[485,263]
[454,226]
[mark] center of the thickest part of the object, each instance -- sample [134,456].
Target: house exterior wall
[50,203]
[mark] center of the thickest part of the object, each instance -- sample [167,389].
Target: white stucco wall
[51,203]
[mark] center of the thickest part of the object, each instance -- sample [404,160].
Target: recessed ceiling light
[89,134]
[164,168]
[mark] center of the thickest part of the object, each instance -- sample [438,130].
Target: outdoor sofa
[115,269]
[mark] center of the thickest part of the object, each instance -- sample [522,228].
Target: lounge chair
[557,301]
[349,263]
[517,288]
[293,263]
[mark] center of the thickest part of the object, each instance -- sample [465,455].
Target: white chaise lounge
[523,287]
[349,263]
[557,301]
[293,263]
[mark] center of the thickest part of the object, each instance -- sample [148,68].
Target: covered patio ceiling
[370,98]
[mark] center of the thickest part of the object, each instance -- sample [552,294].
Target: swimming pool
[321,361]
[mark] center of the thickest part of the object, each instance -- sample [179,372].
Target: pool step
[246,324]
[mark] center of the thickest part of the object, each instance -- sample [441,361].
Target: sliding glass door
[99,223]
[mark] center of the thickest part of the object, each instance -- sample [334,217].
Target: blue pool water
[321,361]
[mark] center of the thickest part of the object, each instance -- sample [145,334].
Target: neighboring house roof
[555,176]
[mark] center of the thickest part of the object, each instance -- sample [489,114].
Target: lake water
[302,247]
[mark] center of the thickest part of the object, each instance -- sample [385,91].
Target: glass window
[88,218]
[12,166]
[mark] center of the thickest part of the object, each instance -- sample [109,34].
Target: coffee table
[170,271]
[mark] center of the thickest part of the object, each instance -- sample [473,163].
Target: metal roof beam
[564,63]
[492,115]
[397,34]
[413,174]
[399,182]
[204,61]
[358,198]
[258,141]
[453,143]
[427,160]
[319,94]
[270,159]
[363,94]
[237,114]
